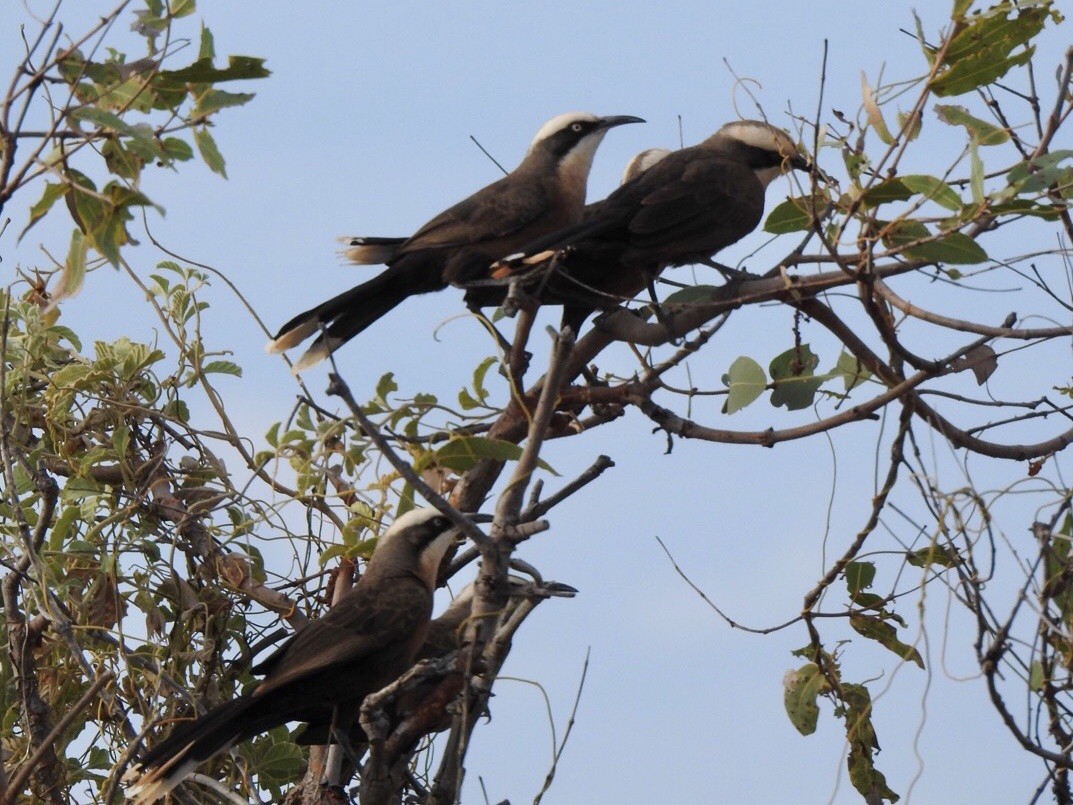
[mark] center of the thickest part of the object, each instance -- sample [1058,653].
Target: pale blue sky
[364,129]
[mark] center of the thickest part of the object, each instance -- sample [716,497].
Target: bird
[681,209]
[365,641]
[444,636]
[546,192]
[366,250]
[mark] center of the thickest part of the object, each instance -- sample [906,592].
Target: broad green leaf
[53,192]
[983,50]
[887,191]
[746,381]
[859,576]
[934,189]
[851,370]
[177,149]
[181,8]
[795,383]
[203,72]
[466,400]
[801,688]
[953,247]
[207,48]
[213,100]
[981,131]
[206,145]
[223,367]
[792,215]
[101,119]
[886,635]
[462,454]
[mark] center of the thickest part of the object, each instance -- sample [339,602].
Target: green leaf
[851,370]
[801,688]
[53,192]
[206,145]
[982,52]
[74,269]
[861,737]
[746,381]
[479,375]
[386,386]
[177,149]
[181,8]
[953,247]
[980,131]
[859,576]
[462,454]
[207,47]
[202,71]
[934,189]
[886,191]
[1036,677]
[222,367]
[792,215]
[886,635]
[794,379]
[961,7]
[466,400]
[213,100]
[101,119]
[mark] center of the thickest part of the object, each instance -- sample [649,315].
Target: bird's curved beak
[619,120]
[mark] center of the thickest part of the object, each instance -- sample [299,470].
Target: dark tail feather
[165,765]
[346,315]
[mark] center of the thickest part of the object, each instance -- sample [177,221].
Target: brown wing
[497,211]
[366,621]
[711,204]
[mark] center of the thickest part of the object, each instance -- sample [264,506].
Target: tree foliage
[142,573]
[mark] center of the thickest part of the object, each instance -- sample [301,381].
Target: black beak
[618,120]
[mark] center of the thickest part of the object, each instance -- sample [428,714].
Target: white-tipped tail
[315,354]
[147,787]
[292,338]
[368,251]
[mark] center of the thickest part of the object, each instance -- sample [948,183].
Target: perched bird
[546,192]
[636,166]
[368,251]
[364,642]
[682,209]
[444,636]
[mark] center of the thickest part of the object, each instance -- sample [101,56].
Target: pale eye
[576,127]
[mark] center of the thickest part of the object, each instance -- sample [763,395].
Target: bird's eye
[576,127]
[441,523]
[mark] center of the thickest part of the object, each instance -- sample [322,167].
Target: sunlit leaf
[982,132]
[746,381]
[206,146]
